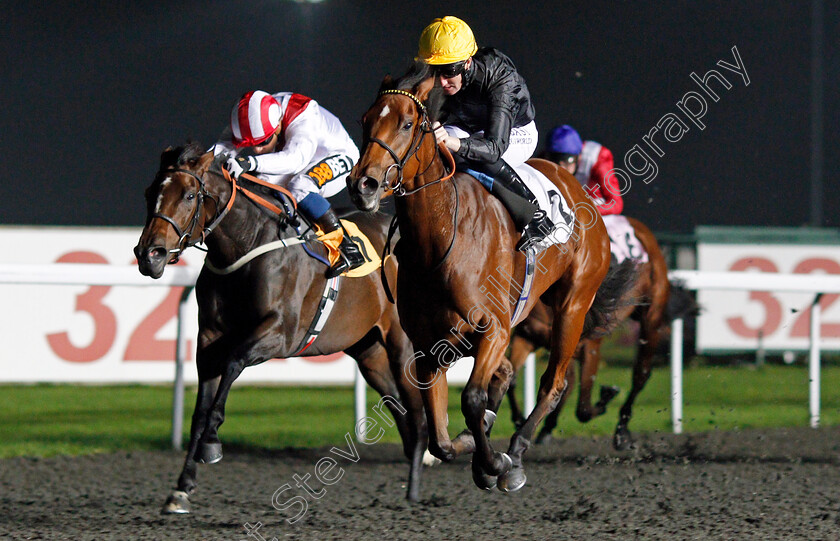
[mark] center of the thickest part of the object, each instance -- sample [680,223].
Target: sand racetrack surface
[750,484]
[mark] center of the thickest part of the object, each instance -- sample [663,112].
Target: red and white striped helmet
[254,118]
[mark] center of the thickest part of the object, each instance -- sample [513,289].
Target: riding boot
[533,222]
[351,256]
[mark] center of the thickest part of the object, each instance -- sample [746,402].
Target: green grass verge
[44,420]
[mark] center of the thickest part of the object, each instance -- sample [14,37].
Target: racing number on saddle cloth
[330,168]
[623,241]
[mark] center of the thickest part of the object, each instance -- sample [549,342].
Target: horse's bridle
[397,188]
[416,141]
[185,237]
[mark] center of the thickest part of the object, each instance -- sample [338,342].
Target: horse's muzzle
[364,192]
[151,260]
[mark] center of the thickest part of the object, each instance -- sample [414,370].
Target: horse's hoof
[178,503]
[210,453]
[481,479]
[544,438]
[608,392]
[489,419]
[430,460]
[622,440]
[502,463]
[512,480]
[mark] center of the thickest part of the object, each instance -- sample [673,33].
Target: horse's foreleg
[178,500]
[475,407]
[500,384]
[210,449]
[399,352]
[566,331]
[434,389]
[260,346]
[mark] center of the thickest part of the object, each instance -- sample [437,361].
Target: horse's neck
[426,217]
[244,228]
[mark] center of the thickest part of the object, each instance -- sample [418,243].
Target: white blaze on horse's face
[163,185]
[385,111]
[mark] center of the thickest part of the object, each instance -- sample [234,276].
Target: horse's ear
[169,157]
[387,83]
[204,162]
[423,89]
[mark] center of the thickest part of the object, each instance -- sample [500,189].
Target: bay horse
[456,240]
[266,308]
[651,301]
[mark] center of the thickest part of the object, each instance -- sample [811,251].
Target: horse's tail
[611,296]
[681,303]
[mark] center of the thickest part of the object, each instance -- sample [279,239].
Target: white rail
[753,281]
[115,275]
[95,274]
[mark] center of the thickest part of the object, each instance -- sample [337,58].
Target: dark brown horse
[648,302]
[459,272]
[264,309]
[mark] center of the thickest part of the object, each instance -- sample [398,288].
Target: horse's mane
[417,73]
[191,152]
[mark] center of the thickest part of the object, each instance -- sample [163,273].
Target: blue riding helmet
[565,140]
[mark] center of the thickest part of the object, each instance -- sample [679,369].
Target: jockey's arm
[607,182]
[490,147]
[301,145]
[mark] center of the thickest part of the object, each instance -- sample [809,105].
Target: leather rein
[187,238]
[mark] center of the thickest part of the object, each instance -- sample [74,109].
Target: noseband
[417,140]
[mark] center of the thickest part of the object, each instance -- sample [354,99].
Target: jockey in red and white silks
[308,135]
[289,140]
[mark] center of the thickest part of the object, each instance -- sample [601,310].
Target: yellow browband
[406,93]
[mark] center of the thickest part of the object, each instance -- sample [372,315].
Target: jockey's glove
[241,164]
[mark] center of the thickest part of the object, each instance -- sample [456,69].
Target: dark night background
[93,92]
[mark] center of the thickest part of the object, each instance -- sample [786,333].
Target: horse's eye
[407,126]
[190,196]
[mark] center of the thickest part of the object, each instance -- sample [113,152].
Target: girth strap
[328,300]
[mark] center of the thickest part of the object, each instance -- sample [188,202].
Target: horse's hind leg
[520,348]
[591,356]
[178,500]
[551,419]
[649,336]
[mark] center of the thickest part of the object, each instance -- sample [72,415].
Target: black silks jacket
[493,99]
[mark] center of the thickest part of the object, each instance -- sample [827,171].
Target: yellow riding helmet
[446,41]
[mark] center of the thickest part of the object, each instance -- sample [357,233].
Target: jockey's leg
[520,202]
[509,188]
[318,210]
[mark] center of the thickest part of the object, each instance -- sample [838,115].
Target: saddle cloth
[552,202]
[623,241]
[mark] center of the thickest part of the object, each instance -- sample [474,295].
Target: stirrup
[351,258]
[536,230]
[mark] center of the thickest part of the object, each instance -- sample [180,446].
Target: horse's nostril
[158,252]
[369,185]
